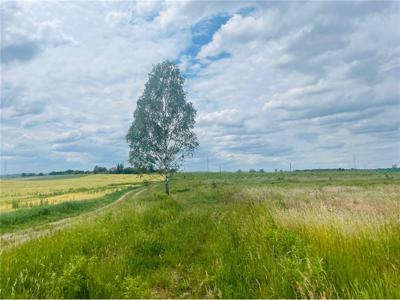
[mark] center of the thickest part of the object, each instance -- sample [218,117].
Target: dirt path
[8,240]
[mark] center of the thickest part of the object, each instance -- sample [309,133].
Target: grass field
[23,193]
[284,235]
[27,202]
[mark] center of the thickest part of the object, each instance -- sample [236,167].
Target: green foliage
[99,170]
[120,169]
[67,172]
[134,288]
[161,134]
[212,240]
[72,282]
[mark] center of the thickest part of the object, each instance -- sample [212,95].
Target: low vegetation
[42,214]
[24,193]
[25,203]
[297,235]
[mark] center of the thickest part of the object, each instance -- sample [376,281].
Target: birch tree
[161,135]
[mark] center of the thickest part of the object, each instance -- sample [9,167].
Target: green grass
[225,236]
[42,214]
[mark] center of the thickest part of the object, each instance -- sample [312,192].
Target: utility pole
[220,171]
[208,165]
[290,166]
[354,162]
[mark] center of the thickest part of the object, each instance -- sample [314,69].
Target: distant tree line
[252,171]
[32,174]
[119,169]
[69,172]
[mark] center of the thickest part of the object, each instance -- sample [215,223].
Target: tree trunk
[167,184]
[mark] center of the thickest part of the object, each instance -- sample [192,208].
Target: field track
[8,240]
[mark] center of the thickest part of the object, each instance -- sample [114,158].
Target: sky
[312,84]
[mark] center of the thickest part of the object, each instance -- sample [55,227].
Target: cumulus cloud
[316,69]
[23,38]
[274,82]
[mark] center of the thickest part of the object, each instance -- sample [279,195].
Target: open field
[283,235]
[22,193]
[24,202]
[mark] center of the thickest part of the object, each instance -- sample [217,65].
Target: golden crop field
[22,193]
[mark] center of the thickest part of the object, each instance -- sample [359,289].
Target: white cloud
[23,37]
[285,77]
[310,83]
[117,18]
[223,117]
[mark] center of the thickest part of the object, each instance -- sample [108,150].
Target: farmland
[273,235]
[37,200]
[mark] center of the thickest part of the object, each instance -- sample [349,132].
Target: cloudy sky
[312,83]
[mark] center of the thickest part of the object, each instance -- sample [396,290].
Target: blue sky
[307,83]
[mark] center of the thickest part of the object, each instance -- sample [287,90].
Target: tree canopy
[161,134]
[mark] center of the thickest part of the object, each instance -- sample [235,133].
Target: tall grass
[28,217]
[213,238]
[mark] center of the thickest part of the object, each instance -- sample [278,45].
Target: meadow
[30,201]
[250,235]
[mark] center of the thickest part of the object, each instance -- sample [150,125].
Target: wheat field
[23,193]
